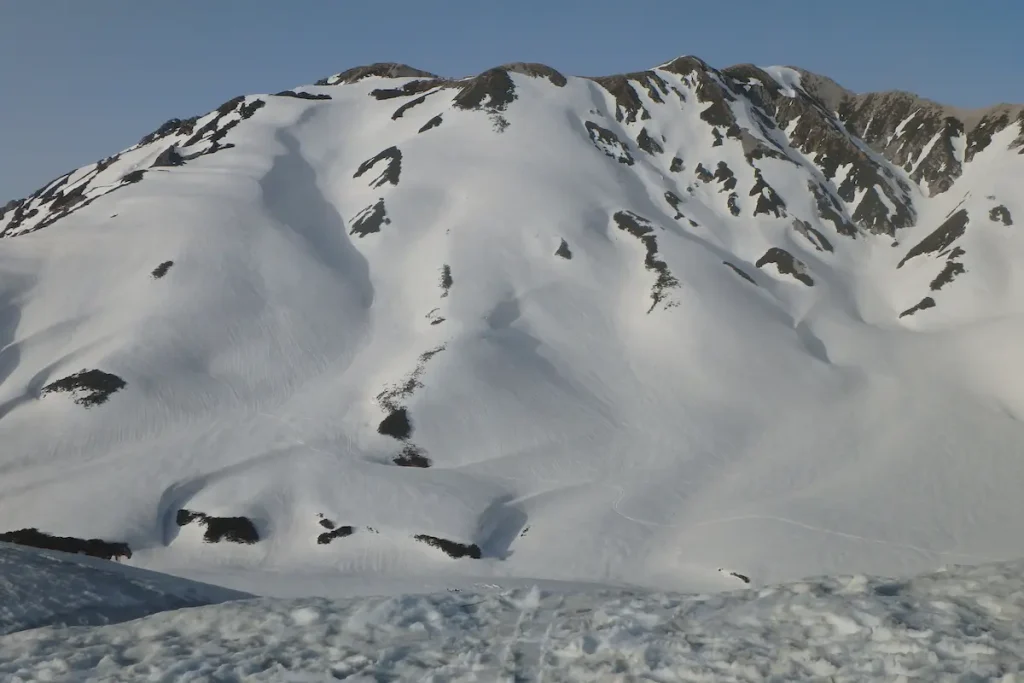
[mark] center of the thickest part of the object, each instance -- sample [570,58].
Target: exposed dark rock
[725,176]
[132,177]
[232,529]
[370,219]
[873,214]
[739,272]
[768,200]
[787,264]
[704,174]
[451,548]
[380,69]
[537,71]
[162,269]
[564,251]
[409,89]
[831,210]
[924,304]
[64,200]
[172,127]
[813,236]
[675,202]
[609,143]
[628,105]
[432,123]
[676,165]
[89,387]
[648,144]
[326,523]
[734,204]
[391,398]
[67,544]
[400,112]
[340,532]
[642,229]
[719,138]
[304,95]
[446,280]
[942,238]
[397,425]
[169,157]
[1001,214]
[412,456]
[736,575]
[390,174]
[949,272]
[494,85]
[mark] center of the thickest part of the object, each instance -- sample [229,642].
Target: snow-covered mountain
[687,328]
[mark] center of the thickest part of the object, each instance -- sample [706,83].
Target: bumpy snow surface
[334,334]
[957,625]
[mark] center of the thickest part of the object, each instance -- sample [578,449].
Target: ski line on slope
[621,494]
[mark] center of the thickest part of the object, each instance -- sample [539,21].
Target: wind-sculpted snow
[685,325]
[960,624]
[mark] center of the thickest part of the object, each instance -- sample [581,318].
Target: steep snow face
[635,329]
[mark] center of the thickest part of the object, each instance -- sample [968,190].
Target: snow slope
[642,328]
[960,624]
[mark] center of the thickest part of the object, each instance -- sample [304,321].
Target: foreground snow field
[962,624]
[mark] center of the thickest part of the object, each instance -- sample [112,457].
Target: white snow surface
[577,434]
[960,624]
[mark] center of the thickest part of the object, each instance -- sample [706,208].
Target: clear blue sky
[82,79]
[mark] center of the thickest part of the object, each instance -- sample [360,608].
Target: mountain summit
[689,327]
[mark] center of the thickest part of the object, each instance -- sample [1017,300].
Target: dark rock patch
[703,174]
[628,105]
[734,204]
[370,219]
[93,547]
[922,305]
[231,529]
[1001,214]
[676,166]
[89,387]
[64,200]
[169,157]
[169,128]
[390,174]
[725,176]
[949,272]
[400,112]
[736,269]
[719,138]
[380,69]
[432,123]
[494,85]
[446,280]
[537,71]
[768,200]
[132,177]
[390,399]
[162,269]
[340,532]
[736,575]
[409,89]
[787,264]
[873,214]
[642,229]
[648,144]
[325,523]
[564,251]
[813,236]
[303,95]
[942,238]
[608,143]
[452,549]
[675,201]
[412,456]
[830,210]
[397,425]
